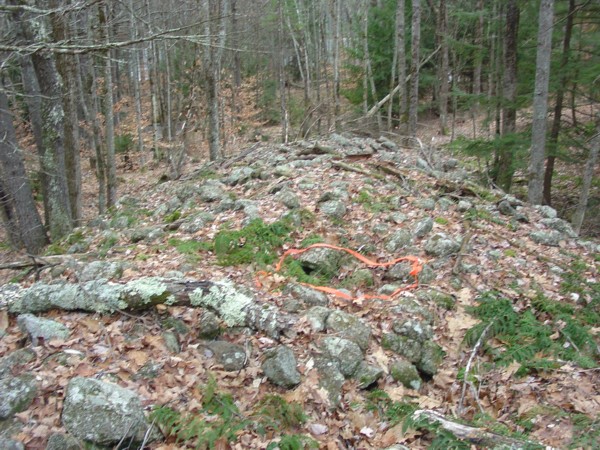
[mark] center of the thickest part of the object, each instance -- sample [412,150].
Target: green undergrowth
[257,243]
[373,204]
[190,248]
[220,420]
[541,337]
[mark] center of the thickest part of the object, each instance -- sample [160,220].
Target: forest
[299,224]
[513,84]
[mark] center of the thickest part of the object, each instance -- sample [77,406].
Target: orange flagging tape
[416,268]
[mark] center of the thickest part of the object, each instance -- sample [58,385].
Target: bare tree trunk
[560,94]
[281,76]
[413,110]
[588,175]
[478,67]
[17,207]
[540,104]
[337,17]
[444,66]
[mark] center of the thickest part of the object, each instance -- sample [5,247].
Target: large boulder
[16,394]
[280,367]
[39,329]
[103,413]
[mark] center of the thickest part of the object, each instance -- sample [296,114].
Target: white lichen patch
[229,303]
[148,288]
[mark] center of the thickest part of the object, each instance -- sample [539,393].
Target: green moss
[174,216]
[190,247]
[441,220]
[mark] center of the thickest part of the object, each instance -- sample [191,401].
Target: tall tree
[540,103]
[413,109]
[588,175]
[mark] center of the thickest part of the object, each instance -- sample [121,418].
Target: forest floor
[557,404]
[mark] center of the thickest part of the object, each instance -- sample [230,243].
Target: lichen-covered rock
[229,302]
[240,175]
[212,191]
[103,413]
[307,295]
[171,341]
[431,358]
[317,317]
[16,394]
[560,225]
[551,238]
[349,327]
[101,269]
[330,379]
[546,211]
[360,278]
[39,329]
[423,227]
[427,204]
[406,373]
[146,234]
[505,208]
[442,299]
[10,444]
[324,261]
[427,274]
[60,441]
[280,367]
[333,208]
[411,349]
[399,272]
[441,245]
[17,358]
[464,205]
[208,325]
[413,329]
[288,198]
[399,240]
[344,353]
[367,375]
[231,356]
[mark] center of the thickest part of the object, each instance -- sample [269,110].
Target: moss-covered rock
[406,373]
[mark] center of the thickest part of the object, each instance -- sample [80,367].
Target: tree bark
[413,110]
[19,212]
[444,66]
[540,104]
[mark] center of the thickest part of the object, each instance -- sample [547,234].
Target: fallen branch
[348,167]
[476,436]
[41,261]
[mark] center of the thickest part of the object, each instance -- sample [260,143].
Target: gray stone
[399,272]
[333,208]
[307,184]
[208,325]
[317,318]
[406,373]
[367,375]
[445,203]
[10,362]
[101,269]
[550,238]
[39,329]
[171,341]
[427,204]
[427,274]
[397,217]
[399,240]
[560,225]
[403,346]
[505,208]
[288,198]
[16,394]
[420,163]
[366,150]
[464,205]
[330,379]
[10,444]
[547,211]
[212,192]
[249,207]
[442,299]
[413,329]
[390,145]
[146,234]
[231,356]
[193,224]
[343,352]
[307,295]
[441,245]
[103,413]
[240,175]
[431,358]
[283,170]
[60,441]
[349,327]
[449,164]
[280,367]
[324,261]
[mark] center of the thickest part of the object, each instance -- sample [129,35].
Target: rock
[330,379]
[101,269]
[423,227]
[390,145]
[441,245]
[427,274]
[231,356]
[344,353]
[146,234]
[399,240]
[171,341]
[196,222]
[103,413]
[11,444]
[16,394]
[283,170]
[399,272]
[406,373]
[208,325]
[449,164]
[397,217]
[333,208]
[413,329]
[240,175]
[403,346]
[358,150]
[560,225]
[340,140]
[431,358]
[464,205]
[288,198]
[280,367]
[505,208]
[547,211]
[323,261]
[423,165]
[307,295]
[212,191]
[60,441]
[367,375]
[349,327]
[317,317]
[17,358]
[442,299]
[360,278]
[427,204]
[39,329]
[550,238]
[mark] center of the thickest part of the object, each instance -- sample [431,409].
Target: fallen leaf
[317,429]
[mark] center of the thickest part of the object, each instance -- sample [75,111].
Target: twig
[468,368]
[463,248]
